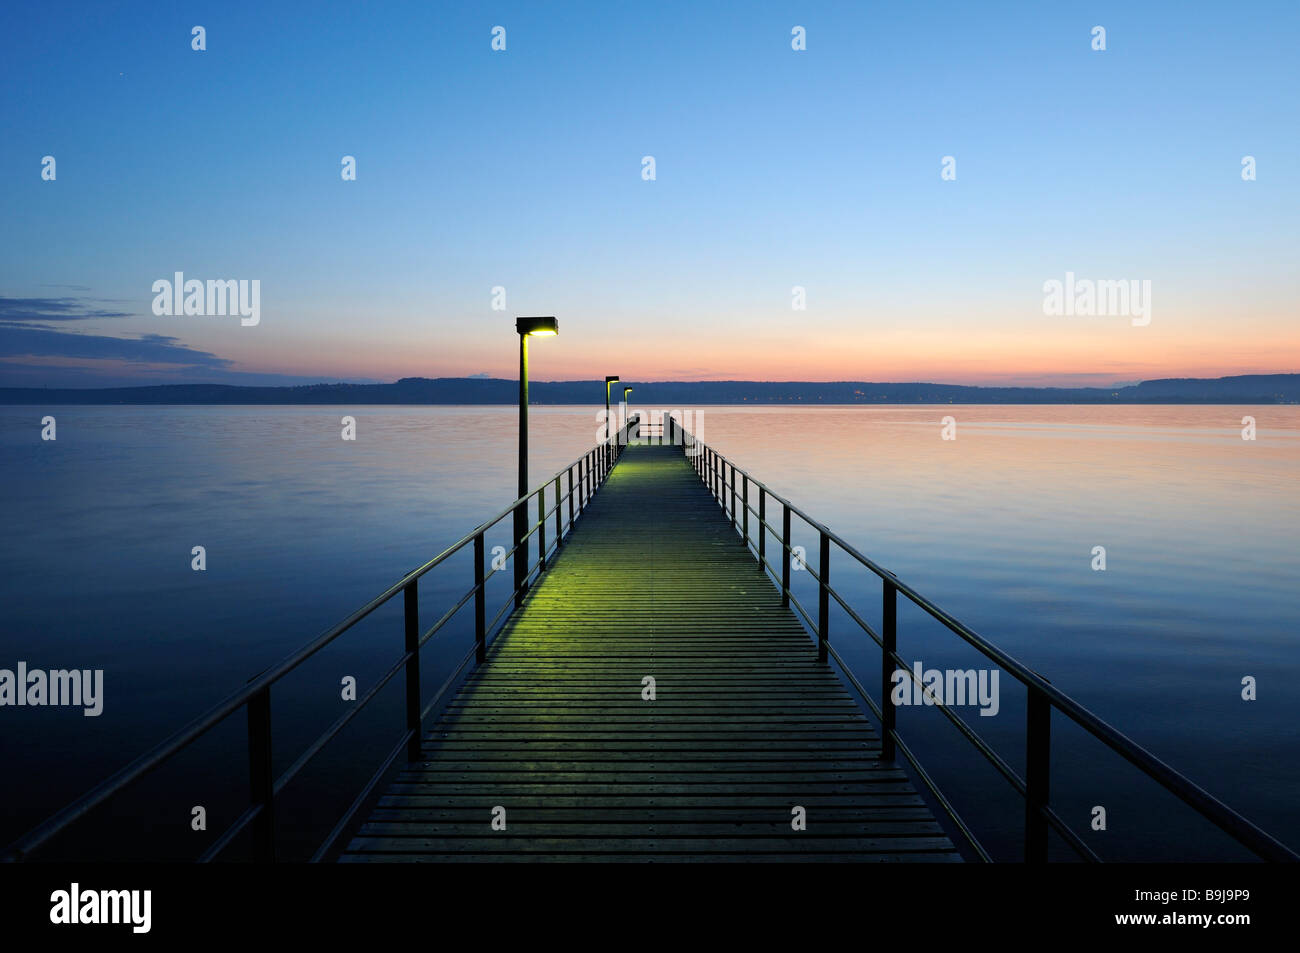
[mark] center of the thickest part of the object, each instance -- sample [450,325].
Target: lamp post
[626,391]
[527,327]
[609,434]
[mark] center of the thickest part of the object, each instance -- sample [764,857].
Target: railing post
[570,475]
[261,785]
[785,554]
[411,605]
[744,507]
[559,526]
[520,558]
[722,484]
[541,529]
[1038,745]
[734,524]
[823,596]
[582,486]
[889,627]
[480,603]
[762,527]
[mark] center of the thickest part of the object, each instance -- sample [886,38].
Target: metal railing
[644,429]
[732,485]
[575,486]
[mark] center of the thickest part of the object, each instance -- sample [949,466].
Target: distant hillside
[1247,389]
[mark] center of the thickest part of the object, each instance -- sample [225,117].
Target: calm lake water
[1201,589]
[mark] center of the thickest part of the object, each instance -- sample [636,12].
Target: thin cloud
[44,310]
[18,340]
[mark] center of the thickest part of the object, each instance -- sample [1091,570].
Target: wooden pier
[745,733]
[653,696]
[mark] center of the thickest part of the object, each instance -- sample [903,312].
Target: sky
[774,169]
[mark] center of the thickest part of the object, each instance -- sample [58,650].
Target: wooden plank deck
[746,723]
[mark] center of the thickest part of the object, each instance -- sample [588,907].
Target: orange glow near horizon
[1070,357]
[986,340]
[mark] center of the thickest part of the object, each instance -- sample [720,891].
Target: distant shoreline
[471,392]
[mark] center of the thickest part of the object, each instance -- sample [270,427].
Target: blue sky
[775,168]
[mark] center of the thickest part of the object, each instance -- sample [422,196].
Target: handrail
[713,469]
[593,468]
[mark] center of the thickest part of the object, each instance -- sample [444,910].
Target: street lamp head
[626,391]
[611,379]
[538,327]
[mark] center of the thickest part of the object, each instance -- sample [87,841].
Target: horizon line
[370,382]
